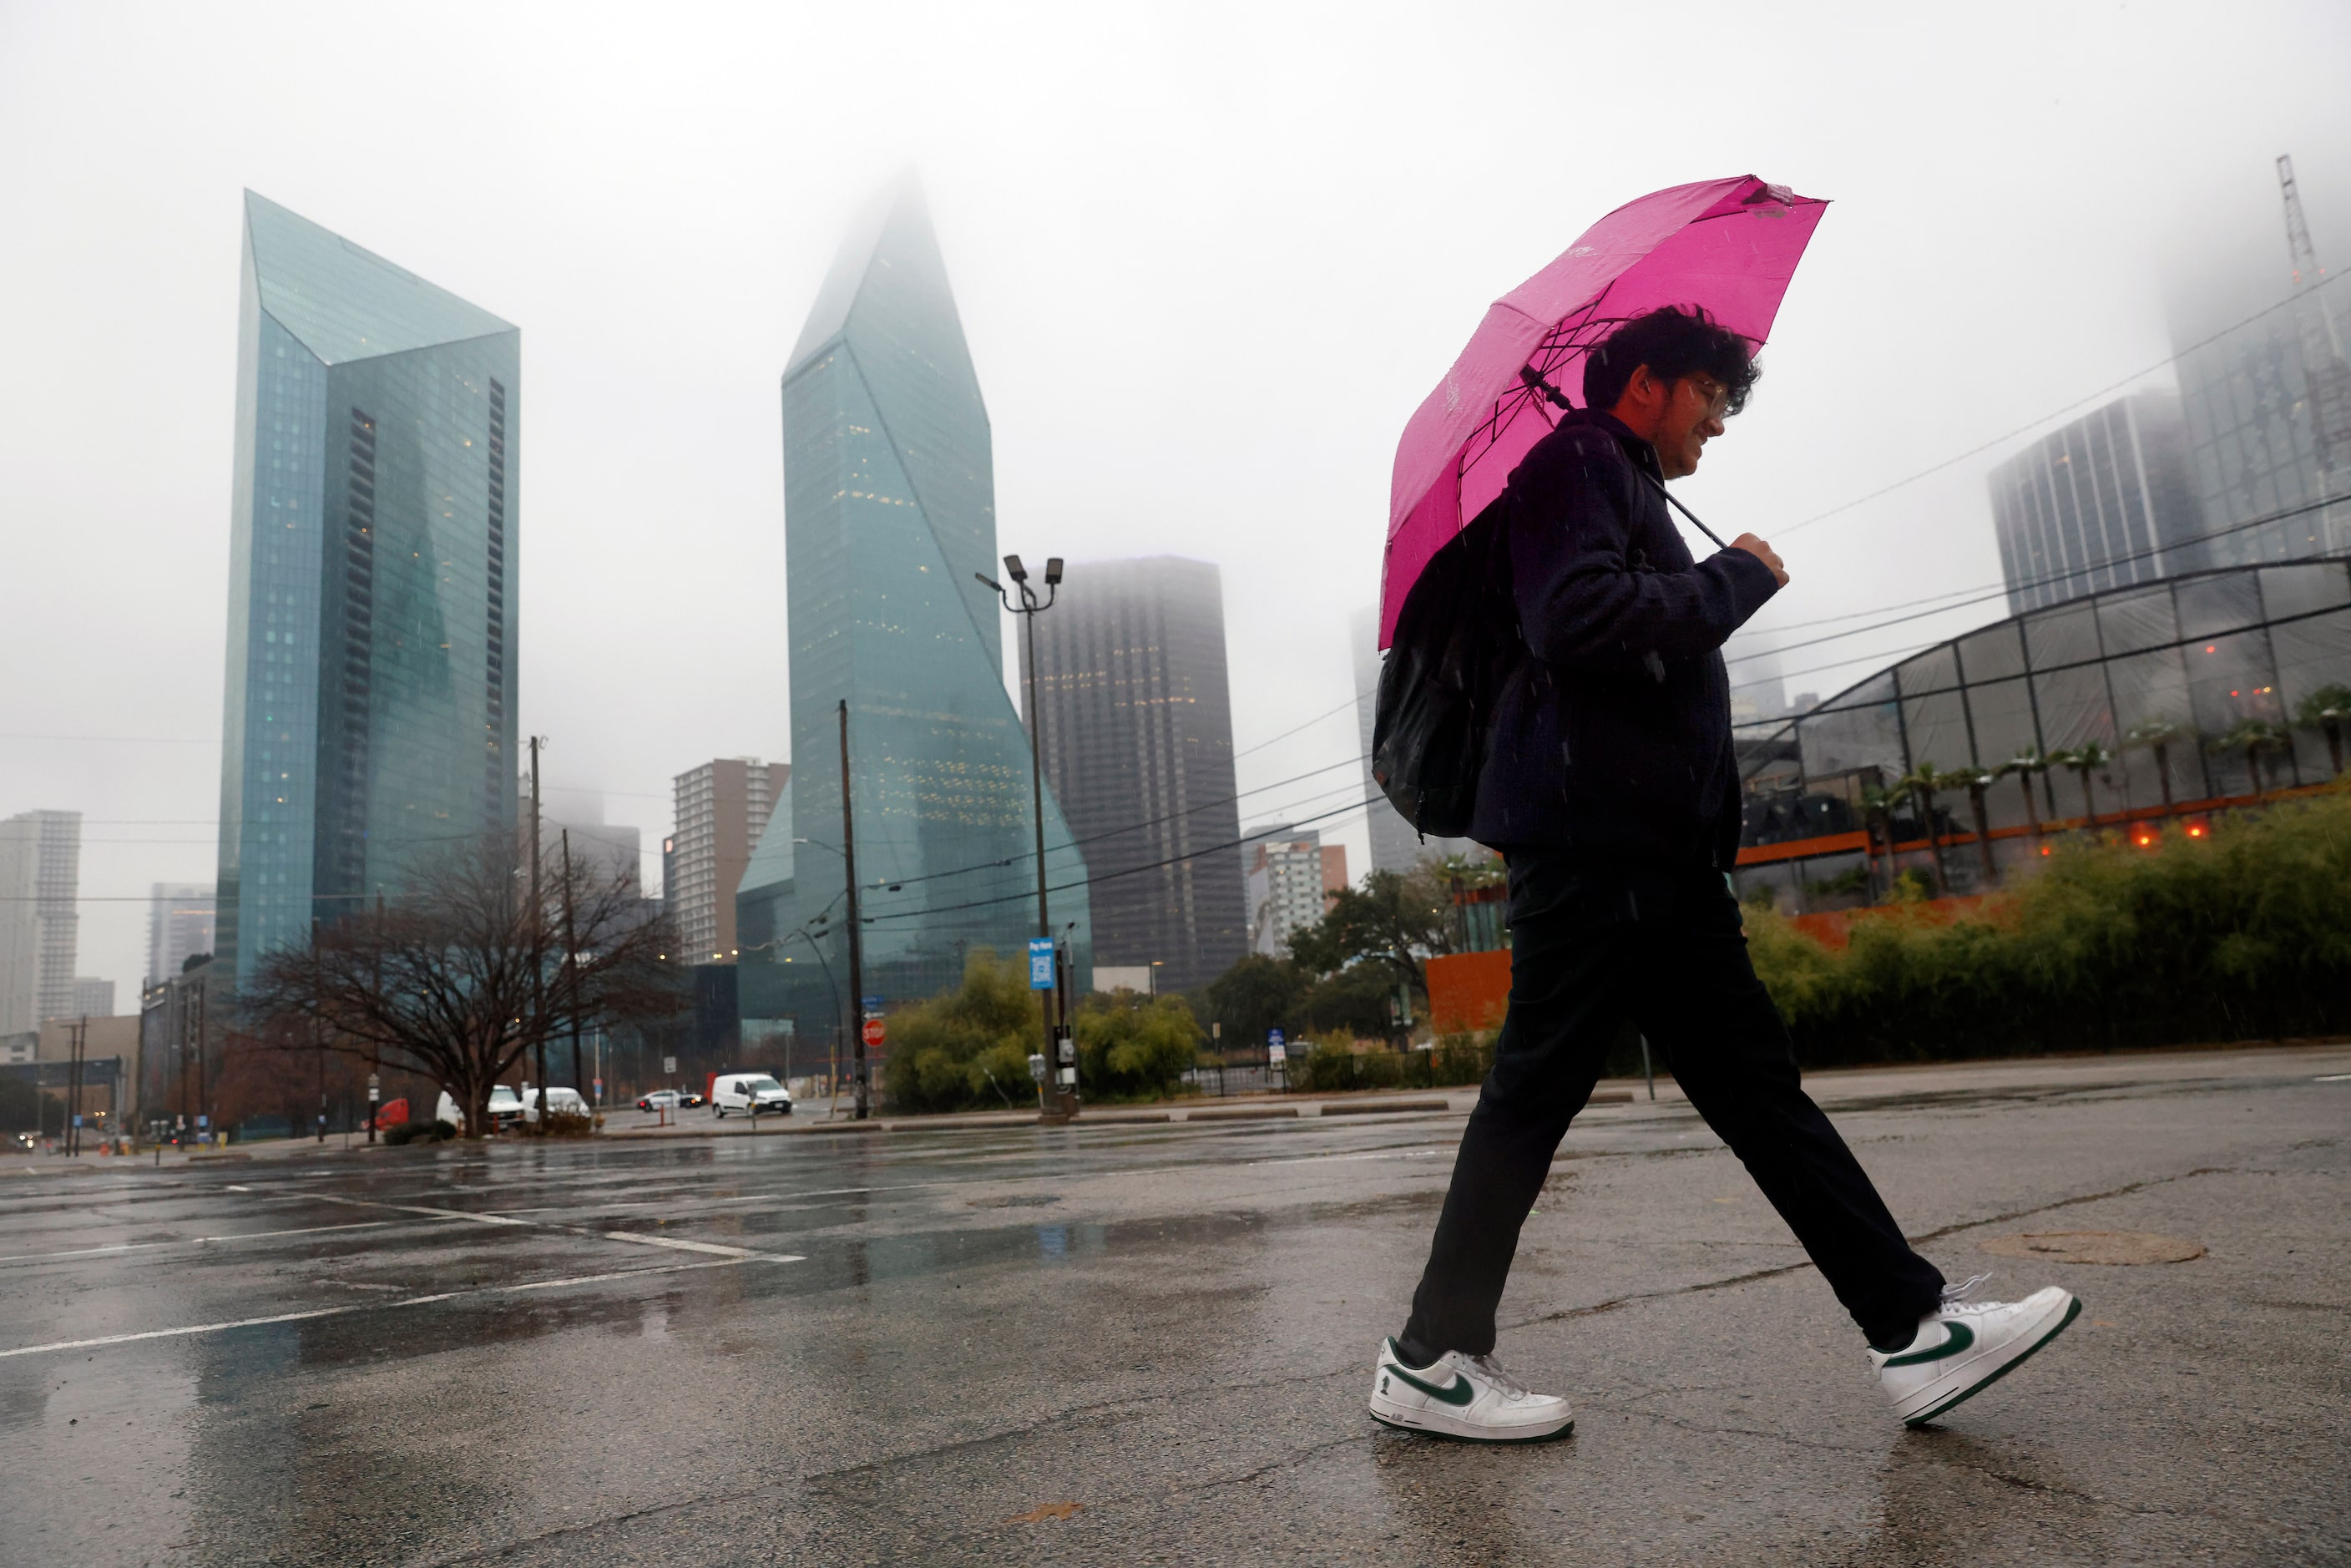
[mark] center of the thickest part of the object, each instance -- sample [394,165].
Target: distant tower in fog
[1139,750]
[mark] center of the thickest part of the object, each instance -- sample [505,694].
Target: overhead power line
[2058,413]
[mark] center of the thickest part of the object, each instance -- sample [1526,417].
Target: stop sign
[872,1032]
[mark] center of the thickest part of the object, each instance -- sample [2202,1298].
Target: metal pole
[73,1077]
[203,1085]
[1647,1071]
[856,943]
[538,965]
[572,965]
[318,1045]
[1029,608]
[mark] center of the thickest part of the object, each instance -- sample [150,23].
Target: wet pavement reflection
[1033,1344]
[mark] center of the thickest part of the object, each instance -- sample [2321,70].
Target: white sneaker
[1963,1347]
[1465,1397]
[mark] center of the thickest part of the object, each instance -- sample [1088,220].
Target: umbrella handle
[1686,512]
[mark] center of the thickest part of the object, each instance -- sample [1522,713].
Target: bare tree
[460,975]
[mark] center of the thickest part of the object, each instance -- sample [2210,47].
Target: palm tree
[2024,765]
[2325,710]
[2085,759]
[2253,737]
[1921,783]
[2159,736]
[1876,812]
[1976,781]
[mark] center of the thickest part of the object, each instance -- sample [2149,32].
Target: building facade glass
[1138,747]
[2256,436]
[369,714]
[2153,674]
[889,512]
[2101,503]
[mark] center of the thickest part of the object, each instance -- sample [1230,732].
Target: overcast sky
[1208,258]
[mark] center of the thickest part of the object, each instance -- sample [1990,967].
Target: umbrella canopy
[1728,245]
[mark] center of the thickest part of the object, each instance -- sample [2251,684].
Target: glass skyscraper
[889,511]
[2102,503]
[369,719]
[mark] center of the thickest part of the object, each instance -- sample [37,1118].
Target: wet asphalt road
[1148,1344]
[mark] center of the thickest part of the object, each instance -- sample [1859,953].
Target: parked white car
[752,1094]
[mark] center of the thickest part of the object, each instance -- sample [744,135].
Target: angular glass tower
[370,720]
[889,511]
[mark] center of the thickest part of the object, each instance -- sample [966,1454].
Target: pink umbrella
[1728,245]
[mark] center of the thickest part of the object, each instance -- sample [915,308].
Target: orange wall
[1468,990]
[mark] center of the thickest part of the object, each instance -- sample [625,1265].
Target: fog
[1208,258]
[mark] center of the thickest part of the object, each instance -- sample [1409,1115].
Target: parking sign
[1040,962]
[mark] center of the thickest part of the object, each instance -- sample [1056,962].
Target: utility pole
[537,967]
[203,1085]
[375,1064]
[856,927]
[1029,609]
[318,1044]
[73,1077]
[571,966]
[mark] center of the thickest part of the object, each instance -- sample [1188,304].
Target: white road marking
[196,1240]
[2333,1078]
[684,1246]
[413,1209]
[389,1306]
[1373,1154]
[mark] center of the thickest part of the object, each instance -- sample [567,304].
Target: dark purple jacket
[1612,734]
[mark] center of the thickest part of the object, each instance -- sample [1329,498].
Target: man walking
[1610,787]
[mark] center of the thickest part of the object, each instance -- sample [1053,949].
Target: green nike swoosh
[1460,1393]
[1961,1337]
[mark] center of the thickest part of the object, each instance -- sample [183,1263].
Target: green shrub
[1134,1048]
[2244,933]
[969,1047]
[1460,1058]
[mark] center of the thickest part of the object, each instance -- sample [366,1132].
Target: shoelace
[1491,1370]
[1955,1297]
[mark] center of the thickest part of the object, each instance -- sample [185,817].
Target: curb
[1375,1107]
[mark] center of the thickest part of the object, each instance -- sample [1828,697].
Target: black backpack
[1456,638]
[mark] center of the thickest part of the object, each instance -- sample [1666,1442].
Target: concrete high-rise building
[889,513]
[1138,747]
[179,926]
[1395,846]
[40,875]
[2101,503]
[92,998]
[723,808]
[369,722]
[1291,881]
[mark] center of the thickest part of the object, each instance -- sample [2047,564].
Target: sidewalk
[1846,1088]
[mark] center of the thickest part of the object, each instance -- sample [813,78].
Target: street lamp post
[1029,609]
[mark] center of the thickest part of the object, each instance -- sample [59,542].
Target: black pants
[1590,949]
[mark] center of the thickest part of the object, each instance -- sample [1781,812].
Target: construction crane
[2328,377]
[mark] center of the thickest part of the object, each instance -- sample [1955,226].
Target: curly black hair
[1672,342]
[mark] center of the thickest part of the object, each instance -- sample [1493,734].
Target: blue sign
[1274,1036]
[1040,962]
[874,1003]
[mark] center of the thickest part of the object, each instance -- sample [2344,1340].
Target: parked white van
[752,1094]
[562,1101]
[505,1108]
